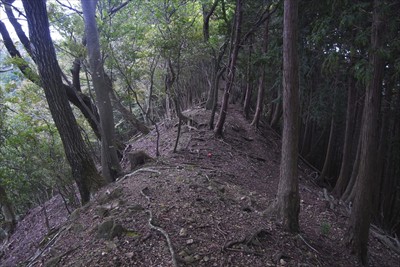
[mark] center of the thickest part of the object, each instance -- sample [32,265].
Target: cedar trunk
[345,170]
[361,212]
[261,82]
[288,200]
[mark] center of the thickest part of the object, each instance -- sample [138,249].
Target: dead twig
[140,170]
[308,245]
[32,261]
[159,229]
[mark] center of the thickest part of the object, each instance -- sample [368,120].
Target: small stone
[182,253]
[282,262]
[190,241]
[111,245]
[101,211]
[129,255]
[117,231]
[104,229]
[188,259]
[206,259]
[183,232]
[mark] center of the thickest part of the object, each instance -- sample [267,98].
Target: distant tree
[82,165]
[231,70]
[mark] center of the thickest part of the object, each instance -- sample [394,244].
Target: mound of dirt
[201,206]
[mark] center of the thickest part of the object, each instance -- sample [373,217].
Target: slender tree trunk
[249,81]
[215,98]
[277,114]
[149,109]
[345,170]
[288,199]
[261,82]
[82,165]
[328,155]
[361,212]
[206,19]
[109,157]
[348,194]
[231,69]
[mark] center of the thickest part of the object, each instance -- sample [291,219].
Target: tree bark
[231,69]
[361,212]
[109,157]
[261,82]
[288,200]
[249,81]
[322,179]
[82,165]
[277,114]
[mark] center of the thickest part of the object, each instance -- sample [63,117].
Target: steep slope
[201,206]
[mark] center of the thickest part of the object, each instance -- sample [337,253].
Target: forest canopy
[78,81]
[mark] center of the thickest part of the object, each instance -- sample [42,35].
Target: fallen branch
[140,170]
[308,245]
[159,229]
[329,199]
[32,261]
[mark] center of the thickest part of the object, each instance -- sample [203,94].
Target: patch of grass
[325,228]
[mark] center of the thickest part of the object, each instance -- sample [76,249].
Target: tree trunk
[206,19]
[277,113]
[231,68]
[82,165]
[382,150]
[288,200]
[361,212]
[345,170]
[109,157]
[322,179]
[249,81]
[261,82]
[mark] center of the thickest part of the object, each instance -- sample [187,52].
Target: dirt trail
[207,200]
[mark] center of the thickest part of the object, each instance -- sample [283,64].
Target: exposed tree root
[159,229]
[390,242]
[246,242]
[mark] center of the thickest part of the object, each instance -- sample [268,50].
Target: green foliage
[31,153]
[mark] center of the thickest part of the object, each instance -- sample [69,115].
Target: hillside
[202,206]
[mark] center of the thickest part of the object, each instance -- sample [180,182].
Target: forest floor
[201,206]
